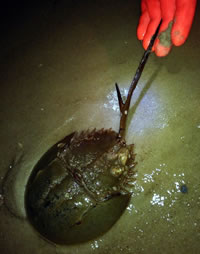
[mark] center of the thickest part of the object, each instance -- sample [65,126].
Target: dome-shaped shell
[79,188]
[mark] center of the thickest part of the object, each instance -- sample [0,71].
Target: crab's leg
[124,106]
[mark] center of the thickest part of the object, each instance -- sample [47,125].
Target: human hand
[177,17]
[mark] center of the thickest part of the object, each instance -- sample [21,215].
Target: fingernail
[161,50]
[177,38]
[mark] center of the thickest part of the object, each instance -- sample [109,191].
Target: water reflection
[112,100]
[131,208]
[96,244]
[150,114]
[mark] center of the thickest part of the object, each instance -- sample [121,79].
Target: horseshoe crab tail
[124,106]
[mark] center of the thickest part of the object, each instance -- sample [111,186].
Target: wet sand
[59,62]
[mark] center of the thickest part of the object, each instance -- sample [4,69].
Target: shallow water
[59,63]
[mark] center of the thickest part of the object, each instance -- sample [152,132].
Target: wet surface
[59,63]
[165,36]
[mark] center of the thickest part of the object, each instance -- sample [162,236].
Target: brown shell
[86,177]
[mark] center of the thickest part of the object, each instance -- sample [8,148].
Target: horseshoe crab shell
[79,188]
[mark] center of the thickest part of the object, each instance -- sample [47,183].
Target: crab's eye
[117,171]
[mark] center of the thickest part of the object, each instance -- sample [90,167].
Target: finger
[168,9]
[143,21]
[161,50]
[150,31]
[154,11]
[163,45]
[185,10]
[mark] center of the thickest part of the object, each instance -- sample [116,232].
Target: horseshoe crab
[80,186]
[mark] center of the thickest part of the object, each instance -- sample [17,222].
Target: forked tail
[124,106]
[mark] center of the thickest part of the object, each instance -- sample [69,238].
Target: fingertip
[161,50]
[140,32]
[145,42]
[155,44]
[177,38]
